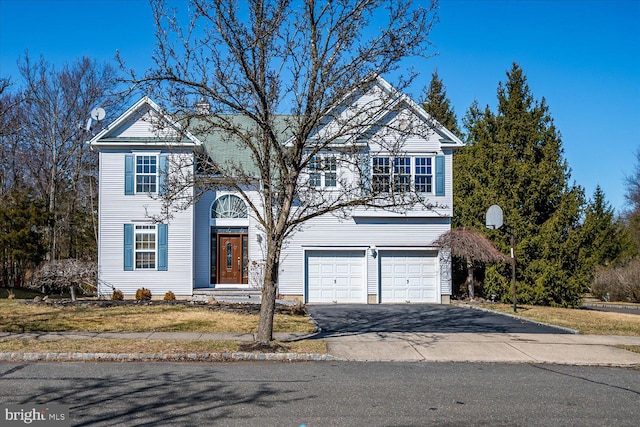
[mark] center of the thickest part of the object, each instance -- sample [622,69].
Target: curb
[177,357]
[515,316]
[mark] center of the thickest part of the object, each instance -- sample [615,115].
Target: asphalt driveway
[344,319]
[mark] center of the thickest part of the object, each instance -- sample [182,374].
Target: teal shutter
[440,175]
[163,247]
[163,169]
[128,247]
[128,174]
[365,176]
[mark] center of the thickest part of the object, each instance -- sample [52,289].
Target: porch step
[228,294]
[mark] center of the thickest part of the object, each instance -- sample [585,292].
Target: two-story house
[371,256]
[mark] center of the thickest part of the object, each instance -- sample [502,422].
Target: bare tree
[471,246]
[11,122]
[251,62]
[62,170]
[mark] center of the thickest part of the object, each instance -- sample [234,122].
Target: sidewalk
[566,349]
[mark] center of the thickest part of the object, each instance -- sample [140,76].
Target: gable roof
[145,124]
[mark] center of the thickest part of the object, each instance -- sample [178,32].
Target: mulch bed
[233,307]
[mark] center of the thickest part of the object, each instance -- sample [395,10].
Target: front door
[231,258]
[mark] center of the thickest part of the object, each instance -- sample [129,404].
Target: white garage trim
[335,276]
[408,276]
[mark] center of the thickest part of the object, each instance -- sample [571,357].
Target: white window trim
[137,154]
[320,158]
[151,229]
[412,167]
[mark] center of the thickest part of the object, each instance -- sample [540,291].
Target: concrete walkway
[566,349]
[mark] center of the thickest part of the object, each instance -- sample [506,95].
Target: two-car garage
[399,276]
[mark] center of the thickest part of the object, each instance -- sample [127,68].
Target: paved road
[326,393]
[427,318]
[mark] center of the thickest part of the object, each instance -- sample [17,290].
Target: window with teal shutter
[440,175]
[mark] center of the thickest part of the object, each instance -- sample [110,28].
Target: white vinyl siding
[359,233]
[117,209]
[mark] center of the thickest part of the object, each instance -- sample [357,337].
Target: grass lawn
[21,316]
[585,321]
[103,345]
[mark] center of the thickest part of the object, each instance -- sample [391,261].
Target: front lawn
[22,316]
[585,321]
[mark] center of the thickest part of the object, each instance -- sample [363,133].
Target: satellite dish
[494,217]
[98,114]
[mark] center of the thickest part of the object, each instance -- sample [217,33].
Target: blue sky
[582,56]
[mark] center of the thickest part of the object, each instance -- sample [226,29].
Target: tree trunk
[73,292]
[268,303]
[470,284]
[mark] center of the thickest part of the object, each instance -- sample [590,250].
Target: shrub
[66,275]
[143,294]
[169,296]
[299,309]
[117,295]
[619,283]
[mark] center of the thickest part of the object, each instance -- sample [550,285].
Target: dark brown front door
[230,258]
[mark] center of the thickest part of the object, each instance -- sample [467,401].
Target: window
[423,174]
[381,178]
[402,174]
[323,172]
[229,206]
[145,246]
[315,173]
[408,173]
[146,174]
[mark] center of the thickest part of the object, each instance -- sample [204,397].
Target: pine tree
[438,105]
[632,216]
[514,158]
[603,239]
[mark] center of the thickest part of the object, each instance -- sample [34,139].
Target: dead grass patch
[585,321]
[18,316]
[127,346]
[634,348]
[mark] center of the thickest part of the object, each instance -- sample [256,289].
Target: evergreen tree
[603,239]
[514,158]
[438,105]
[632,216]
[22,232]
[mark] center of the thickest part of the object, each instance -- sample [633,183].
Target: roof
[221,145]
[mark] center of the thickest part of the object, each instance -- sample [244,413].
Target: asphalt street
[326,393]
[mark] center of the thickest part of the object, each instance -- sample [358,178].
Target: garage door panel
[335,276]
[408,276]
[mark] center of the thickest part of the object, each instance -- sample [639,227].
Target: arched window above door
[228,206]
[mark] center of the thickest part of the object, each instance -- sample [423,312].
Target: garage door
[408,276]
[335,276]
